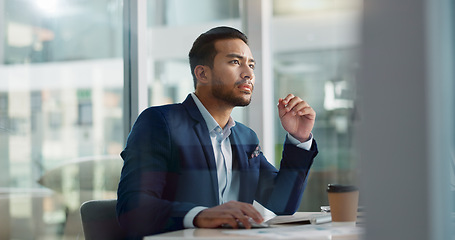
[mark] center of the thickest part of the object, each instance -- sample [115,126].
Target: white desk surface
[327,231]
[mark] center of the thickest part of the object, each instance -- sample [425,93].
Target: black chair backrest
[99,220]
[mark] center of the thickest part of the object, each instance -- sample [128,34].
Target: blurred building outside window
[61,83]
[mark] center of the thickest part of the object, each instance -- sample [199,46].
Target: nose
[247,74]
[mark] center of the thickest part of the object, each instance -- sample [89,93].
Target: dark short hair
[203,51]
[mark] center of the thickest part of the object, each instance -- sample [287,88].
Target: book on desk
[270,218]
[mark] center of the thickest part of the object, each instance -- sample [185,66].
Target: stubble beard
[219,91]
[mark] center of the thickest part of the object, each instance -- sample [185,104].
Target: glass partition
[61,95]
[314,48]
[61,99]
[315,53]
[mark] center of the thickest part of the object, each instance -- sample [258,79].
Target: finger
[240,214]
[235,218]
[285,106]
[281,108]
[211,218]
[294,102]
[282,103]
[231,222]
[250,211]
[307,112]
[243,212]
[301,107]
[245,222]
[224,222]
[225,219]
[288,98]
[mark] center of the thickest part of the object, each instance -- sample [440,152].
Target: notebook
[297,218]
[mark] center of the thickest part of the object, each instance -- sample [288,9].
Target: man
[191,165]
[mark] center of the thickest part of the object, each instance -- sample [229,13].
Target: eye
[252,66]
[235,61]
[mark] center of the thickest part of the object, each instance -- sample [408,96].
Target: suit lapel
[200,128]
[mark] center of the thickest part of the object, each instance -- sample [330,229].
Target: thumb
[281,108]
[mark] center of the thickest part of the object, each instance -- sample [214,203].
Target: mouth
[246,88]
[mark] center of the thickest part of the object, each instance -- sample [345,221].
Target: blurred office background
[68,98]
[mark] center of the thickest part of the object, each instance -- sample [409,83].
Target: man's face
[232,74]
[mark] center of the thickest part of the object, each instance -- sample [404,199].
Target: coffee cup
[343,201]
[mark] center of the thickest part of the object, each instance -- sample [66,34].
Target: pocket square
[256,152]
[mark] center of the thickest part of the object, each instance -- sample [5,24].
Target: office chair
[99,220]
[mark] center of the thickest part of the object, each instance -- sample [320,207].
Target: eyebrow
[234,55]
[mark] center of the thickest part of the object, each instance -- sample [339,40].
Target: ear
[202,73]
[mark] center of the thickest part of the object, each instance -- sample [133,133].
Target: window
[61,84]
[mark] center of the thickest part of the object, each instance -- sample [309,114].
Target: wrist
[296,141]
[189,219]
[195,219]
[302,138]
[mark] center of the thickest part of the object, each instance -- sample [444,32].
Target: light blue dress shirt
[228,183]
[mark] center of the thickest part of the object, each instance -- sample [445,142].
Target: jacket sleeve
[281,191]
[147,175]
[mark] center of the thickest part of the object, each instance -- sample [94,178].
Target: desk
[327,231]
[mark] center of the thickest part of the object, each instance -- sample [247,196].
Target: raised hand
[297,117]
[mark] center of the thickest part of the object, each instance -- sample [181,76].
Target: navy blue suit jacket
[169,168]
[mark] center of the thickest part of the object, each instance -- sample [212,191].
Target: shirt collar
[209,120]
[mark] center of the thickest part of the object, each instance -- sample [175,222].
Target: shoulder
[156,116]
[161,111]
[162,108]
[155,121]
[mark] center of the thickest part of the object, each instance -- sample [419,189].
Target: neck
[219,110]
